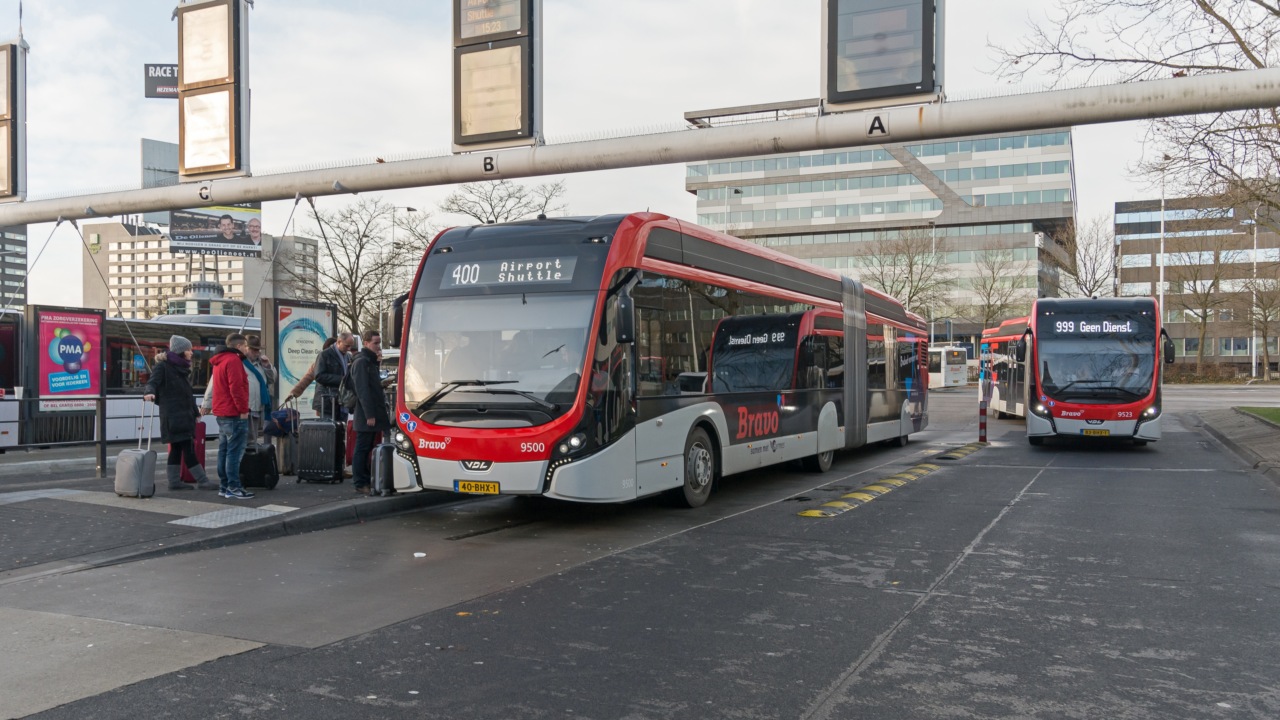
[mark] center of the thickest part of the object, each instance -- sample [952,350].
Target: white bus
[948,367]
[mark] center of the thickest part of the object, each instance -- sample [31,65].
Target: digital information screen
[1078,326]
[481,18]
[522,271]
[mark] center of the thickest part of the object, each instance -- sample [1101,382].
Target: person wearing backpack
[371,414]
[170,389]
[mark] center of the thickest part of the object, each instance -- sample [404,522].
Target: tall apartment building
[987,202]
[13,266]
[129,271]
[1208,254]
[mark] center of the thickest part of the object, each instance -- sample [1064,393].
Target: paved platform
[56,517]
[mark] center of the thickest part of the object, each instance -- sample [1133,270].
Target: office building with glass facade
[982,201]
[1209,255]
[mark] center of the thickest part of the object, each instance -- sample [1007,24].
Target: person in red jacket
[231,407]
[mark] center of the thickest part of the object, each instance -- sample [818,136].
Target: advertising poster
[223,230]
[70,358]
[300,335]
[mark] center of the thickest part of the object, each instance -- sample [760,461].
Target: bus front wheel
[819,463]
[1035,440]
[699,470]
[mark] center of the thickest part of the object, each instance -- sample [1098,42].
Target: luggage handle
[147,417]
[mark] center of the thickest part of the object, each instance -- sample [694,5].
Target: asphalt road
[1072,580]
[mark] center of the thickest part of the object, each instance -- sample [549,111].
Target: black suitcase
[322,451]
[383,469]
[258,467]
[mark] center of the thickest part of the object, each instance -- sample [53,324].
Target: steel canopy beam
[1082,106]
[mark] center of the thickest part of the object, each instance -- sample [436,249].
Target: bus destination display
[522,271]
[1075,326]
[480,18]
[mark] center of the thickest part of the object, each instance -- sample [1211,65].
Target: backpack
[347,397]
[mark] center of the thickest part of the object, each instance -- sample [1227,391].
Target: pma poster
[70,357]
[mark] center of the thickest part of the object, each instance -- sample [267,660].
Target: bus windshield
[511,349]
[1099,369]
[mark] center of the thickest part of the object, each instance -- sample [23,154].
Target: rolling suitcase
[351,441]
[321,450]
[199,439]
[136,467]
[258,466]
[287,445]
[383,481]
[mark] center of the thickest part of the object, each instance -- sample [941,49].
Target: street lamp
[405,208]
[1164,167]
[933,258]
[729,192]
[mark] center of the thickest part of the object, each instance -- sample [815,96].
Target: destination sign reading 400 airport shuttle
[486,18]
[516,271]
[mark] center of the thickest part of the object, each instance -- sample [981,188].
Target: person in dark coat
[170,389]
[331,366]
[371,414]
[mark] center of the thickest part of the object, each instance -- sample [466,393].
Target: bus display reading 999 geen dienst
[1069,326]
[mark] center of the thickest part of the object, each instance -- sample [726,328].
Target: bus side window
[812,368]
[835,359]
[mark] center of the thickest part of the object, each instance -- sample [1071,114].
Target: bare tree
[503,201]
[910,265]
[1093,246]
[358,267]
[1196,278]
[997,289]
[1150,39]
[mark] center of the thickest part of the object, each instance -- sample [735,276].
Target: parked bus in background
[611,358]
[948,367]
[1081,367]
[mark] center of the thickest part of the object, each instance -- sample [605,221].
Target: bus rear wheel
[819,463]
[699,470]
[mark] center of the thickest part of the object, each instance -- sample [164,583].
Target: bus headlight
[1040,409]
[1151,413]
[573,443]
[402,441]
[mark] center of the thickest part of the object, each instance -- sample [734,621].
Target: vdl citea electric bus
[611,358]
[1081,367]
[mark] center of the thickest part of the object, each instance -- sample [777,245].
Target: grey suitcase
[383,462]
[321,450]
[136,467]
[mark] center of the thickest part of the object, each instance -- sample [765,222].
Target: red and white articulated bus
[1081,367]
[611,358]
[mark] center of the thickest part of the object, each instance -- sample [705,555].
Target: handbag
[281,423]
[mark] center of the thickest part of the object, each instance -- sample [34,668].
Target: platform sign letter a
[878,127]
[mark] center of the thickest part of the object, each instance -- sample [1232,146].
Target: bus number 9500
[530,447]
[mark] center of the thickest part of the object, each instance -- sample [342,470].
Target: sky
[335,81]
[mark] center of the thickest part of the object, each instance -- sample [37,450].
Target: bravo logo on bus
[71,343]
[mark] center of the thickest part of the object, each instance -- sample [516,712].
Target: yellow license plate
[1099,433]
[476,488]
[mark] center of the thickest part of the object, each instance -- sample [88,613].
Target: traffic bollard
[982,421]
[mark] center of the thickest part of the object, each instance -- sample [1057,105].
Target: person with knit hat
[170,389]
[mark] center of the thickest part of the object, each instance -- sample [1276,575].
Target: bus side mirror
[1020,350]
[397,320]
[1168,351]
[625,334]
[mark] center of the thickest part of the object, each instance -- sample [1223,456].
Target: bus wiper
[452,385]
[528,396]
[553,350]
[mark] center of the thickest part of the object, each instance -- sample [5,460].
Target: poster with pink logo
[70,351]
